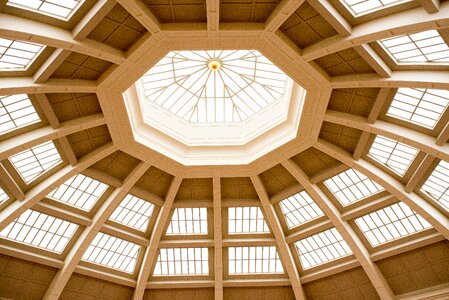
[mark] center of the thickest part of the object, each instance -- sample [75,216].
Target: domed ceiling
[202,149]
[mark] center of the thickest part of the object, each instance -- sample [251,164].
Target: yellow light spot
[214,64]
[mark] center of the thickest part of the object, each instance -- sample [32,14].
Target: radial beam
[438,220]
[20,85]
[351,238]
[150,255]
[141,13]
[218,238]
[281,13]
[431,6]
[374,60]
[283,248]
[419,173]
[75,254]
[213,15]
[37,193]
[332,16]
[50,65]
[11,186]
[92,19]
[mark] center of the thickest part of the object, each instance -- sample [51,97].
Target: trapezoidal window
[80,191]
[17,55]
[361,7]
[437,185]
[254,260]
[16,111]
[246,220]
[133,212]
[188,221]
[391,223]
[60,9]
[182,261]
[40,230]
[299,209]
[423,107]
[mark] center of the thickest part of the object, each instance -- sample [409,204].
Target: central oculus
[216,86]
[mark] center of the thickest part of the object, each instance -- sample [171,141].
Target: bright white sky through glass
[421,47]
[395,155]
[188,221]
[16,111]
[17,55]
[351,186]
[437,185]
[80,191]
[112,252]
[34,161]
[390,223]
[246,220]
[182,261]
[245,83]
[40,230]
[299,209]
[254,260]
[61,9]
[420,106]
[133,212]
[365,6]
[321,248]
[3,196]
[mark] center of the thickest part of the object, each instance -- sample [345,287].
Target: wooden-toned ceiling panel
[178,11]
[417,269]
[117,165]
[21,279]
[237,188]
[155,181]
[306,27]
[255,11]
[277,179]
[344,62]
[354,101]
[342,136]
[118,29]
[259,293]
[195,189]
[312,161]
[180,294]
[85,287]
[68,106]
[352,284]
[86,141]
[80,66]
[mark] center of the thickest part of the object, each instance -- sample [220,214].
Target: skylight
[246,220]
[299,208]
[395,155]
[16,111]
[61,9]
[17,55]
[421,47]
[420,106]
[3,196]
[40,230]
[351,186]
[112,252]
[391,223]
[182,261]
[33,162]
[80,191]
[133,212]
[437,185]
[254,260]
[188,221]
[322,248]
[358,7]
[214,86]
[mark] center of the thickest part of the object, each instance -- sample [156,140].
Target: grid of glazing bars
[395,155]
[34,161]
[322,248]
[246,220]
[351,186]
[3,196]
[254,260]
[299,209]
[40,230]
[56,8]
[358,7]
[133,212]
[437,185]
[80,191]
[112,252]
[17,55]
[182,261]
[426,46]
[391,223]
[16,111]
[191,220]
[420,106]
